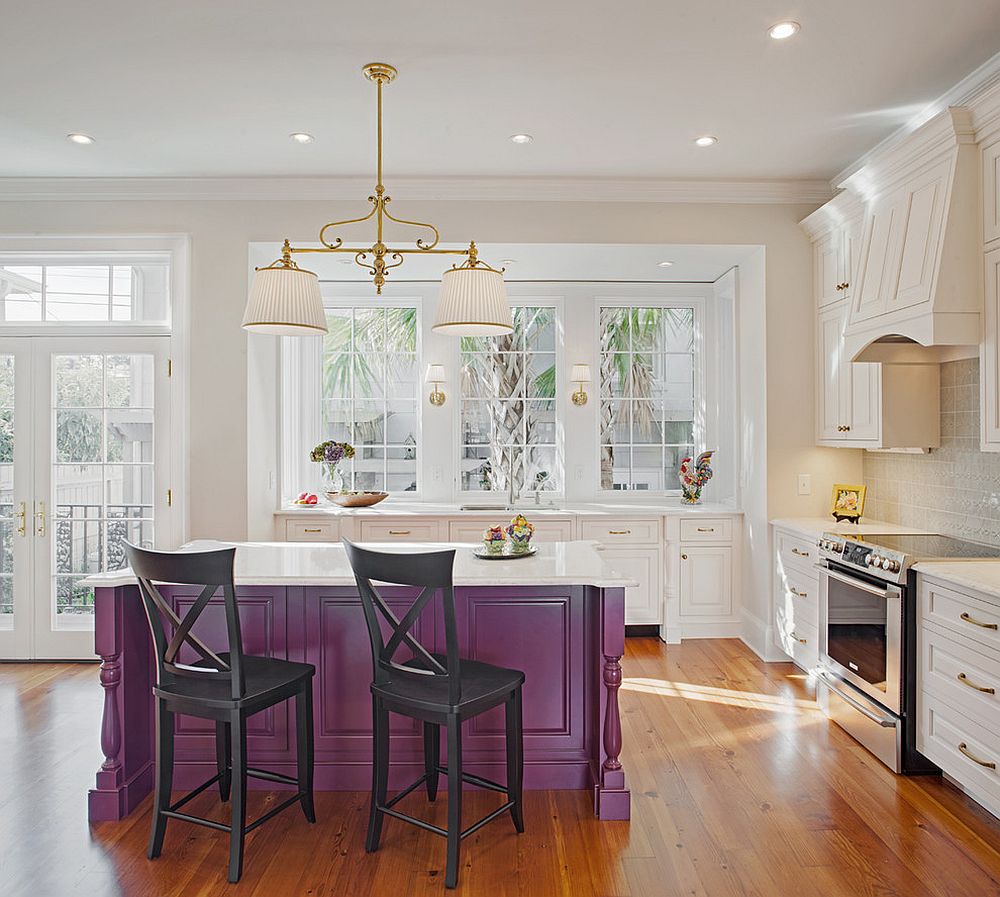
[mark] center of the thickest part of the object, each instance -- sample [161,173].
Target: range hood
[917,296]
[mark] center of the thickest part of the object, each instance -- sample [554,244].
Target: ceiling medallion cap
[380,71]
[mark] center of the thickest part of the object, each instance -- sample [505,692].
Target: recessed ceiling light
[706,140]
[521,138]
[302,137]
[783,30]
[666,264]
[507,262]
[82,139]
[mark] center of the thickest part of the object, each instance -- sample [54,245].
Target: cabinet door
[828,268]
[706,581]
[876,267]
[830,371]
[864,414]
[921,233]
[990,355]
[991,192]
[642,602]
[850,246]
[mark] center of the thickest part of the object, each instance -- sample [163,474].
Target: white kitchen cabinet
[848,394]
[834,255]
[991,192]
[989,350]
[642,602]
[706,581]
[796,597]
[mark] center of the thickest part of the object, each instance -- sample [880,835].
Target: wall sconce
[580,375]
[436,376]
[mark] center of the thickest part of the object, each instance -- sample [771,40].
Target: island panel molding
[568,636]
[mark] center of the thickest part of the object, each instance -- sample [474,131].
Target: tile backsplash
[953,490]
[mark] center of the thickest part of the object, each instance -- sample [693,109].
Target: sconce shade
[473,302]
[285,301]
[435,374]
[580,374]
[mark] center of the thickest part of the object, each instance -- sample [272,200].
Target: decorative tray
[505,555]
[356,499]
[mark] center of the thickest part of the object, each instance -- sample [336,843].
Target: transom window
[649,393]
[84,292]
[369,394]
[508,414]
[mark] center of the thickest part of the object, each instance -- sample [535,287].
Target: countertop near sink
[393,508]
[816,526]
[983,576]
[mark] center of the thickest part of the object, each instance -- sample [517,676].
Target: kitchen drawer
[955,670]
[641,531]
[969,616]
[547,529]
[312,531]
[795,550]
[796,596]
[407,530]
[707,529]
[798,640]
[966,751]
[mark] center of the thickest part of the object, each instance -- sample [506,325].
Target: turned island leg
[612,799]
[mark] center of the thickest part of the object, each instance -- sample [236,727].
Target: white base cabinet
[707,567]
[643,603]
[796,597]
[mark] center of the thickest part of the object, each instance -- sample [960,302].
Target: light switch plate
[805,484]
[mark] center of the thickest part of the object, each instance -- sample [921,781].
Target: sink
[475,507]
[525,507]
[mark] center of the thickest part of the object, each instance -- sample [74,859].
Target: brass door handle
[797,593]
[801,554]
[22,519]
[979,623]
[706,529]
[316,530]
[40,519]
[965,750]
[619,532]
[985,689]
[399,532]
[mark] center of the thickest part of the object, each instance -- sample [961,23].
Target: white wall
[781,404]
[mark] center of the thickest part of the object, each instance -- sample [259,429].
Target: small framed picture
[848,502]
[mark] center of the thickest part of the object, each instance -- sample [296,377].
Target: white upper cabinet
[991,191]
[989,373]
[848,394]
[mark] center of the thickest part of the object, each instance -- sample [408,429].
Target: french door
[84,467]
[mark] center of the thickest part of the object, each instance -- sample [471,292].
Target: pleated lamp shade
[473,302]
[285,301]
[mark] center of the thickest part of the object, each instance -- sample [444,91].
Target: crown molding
[973,90]
[657,190]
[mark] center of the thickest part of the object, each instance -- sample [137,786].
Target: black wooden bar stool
[436,689]
[227,687]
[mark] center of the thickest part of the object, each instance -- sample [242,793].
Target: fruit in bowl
[520,532]
[307,498]
[494,539]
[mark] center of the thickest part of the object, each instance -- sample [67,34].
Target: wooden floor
[739,787]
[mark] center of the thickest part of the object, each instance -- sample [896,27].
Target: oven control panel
[883,562]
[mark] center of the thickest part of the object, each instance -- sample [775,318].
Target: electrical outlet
[805,484]
[437,473]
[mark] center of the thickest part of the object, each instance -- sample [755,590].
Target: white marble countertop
[325,563]
[816,526]
[983,576]
[393,508]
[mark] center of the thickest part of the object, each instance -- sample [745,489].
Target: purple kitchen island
[559,616]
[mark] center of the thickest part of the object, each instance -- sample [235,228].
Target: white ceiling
[607,89]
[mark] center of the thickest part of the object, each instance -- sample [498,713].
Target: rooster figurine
[693,477]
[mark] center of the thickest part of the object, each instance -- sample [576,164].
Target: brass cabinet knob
[684,557]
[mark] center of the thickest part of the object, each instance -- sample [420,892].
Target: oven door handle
[857,584]
[830,680]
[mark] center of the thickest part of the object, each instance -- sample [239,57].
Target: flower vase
[333,477]
[691,495]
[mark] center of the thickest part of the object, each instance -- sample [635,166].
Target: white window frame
[706,422]
[534,301]
[300,404]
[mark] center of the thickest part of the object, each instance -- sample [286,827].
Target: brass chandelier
[285,299]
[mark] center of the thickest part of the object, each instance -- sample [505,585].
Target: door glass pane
[102,471]
[7,510]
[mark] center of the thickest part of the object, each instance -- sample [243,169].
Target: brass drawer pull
[801,554]
[985,689]
[801,640]
[619,532]
[979,623]
[797,593]
[965,750]
[706,529]
[312,530]
[399,532]
[684,557]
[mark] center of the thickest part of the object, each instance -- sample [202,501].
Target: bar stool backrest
[214,571]
[433,572]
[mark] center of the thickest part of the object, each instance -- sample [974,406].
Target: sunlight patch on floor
[690,692]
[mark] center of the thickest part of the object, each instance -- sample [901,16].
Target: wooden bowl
[356,499]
